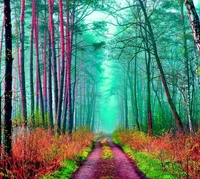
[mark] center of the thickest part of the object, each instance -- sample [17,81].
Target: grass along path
[156,157]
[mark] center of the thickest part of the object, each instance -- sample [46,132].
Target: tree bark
[135,94]
[187,75]
[50,107]
[148,73]
[68,69]
[1,44]
[31,76]
[45,63]
[39,89]
[53,51]
[194,21]
[21,66]
[62,44]
[126,101]
[8,80]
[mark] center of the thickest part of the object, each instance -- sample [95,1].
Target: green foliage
[100,25]
[154,168]
[84,154]
[98,45]
[106,150]
[106,153]
[38,119]
[17,120]
[117,141]
[68,167]
[198,69]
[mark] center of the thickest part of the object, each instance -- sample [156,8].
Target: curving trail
[119,167]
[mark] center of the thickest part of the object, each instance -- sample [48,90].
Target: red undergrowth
[183,149]
[38,152]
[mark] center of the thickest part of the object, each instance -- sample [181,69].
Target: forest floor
[108,161]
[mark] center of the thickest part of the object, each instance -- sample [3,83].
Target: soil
[119,167]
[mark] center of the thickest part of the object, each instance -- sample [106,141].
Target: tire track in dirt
[126,169]
[89,167]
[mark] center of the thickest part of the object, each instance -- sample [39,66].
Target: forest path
[108,161]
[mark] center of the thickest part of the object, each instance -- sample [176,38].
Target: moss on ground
[106,153]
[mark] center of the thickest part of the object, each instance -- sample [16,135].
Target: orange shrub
[38,152]
[183,149]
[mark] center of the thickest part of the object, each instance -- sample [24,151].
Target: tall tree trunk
[187,75]
[93,106]
[163,79]
[8,80]
[1,44]
[84,99]
[31,77]
[148,74]
[62,44]
[59,64]
[65,108]
[126,101]
[35,30]
[68,69]
[50,107]
[45,62]
[75,86]
[130,79]
[149,112]
[135,94]
[80,105]
[21,65]
[88,119]
[51,27]
[16,74]
[194,22]
[45,72]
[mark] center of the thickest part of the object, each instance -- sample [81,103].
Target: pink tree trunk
[51,27]
[68,72]
[21,65]
[62,44]
[38,80]
[31,76]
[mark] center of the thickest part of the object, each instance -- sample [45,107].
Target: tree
[50,106]
[31,76]
[8,80]
[69,41]
[163,78]
[38,76]
[21,65]
[45,59]
[62,44]
[194,22]
[187,95]
[1,45]
[53,51]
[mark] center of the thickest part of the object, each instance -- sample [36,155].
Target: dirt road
[108,161]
